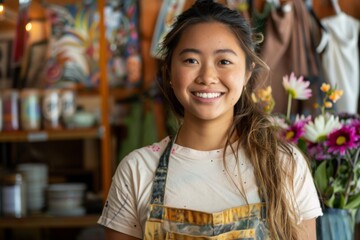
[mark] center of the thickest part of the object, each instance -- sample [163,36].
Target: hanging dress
[340,59]
[289,47]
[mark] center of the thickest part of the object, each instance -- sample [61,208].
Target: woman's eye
[225,62]
[190,60]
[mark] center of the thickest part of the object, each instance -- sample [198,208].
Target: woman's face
[208,71]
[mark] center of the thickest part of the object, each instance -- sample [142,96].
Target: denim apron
[244,222]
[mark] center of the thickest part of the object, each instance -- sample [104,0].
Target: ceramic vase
[335,224]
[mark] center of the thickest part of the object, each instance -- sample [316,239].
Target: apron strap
[158,190]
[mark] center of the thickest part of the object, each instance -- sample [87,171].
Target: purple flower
[295,131]
[356,125]
[317,151]
[341,140]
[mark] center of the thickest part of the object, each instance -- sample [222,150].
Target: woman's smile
[209,95]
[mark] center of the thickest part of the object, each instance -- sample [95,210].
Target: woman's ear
[249,73]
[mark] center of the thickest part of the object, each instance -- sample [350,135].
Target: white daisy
[317,130]
[279,122]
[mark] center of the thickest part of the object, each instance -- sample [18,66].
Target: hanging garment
[289,47]
[141,128]
[340,59]
[122,34]
[245,222]
[170,9]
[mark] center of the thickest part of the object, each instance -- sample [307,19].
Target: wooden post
[104,98]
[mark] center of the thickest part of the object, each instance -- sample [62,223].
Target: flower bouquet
[331,141]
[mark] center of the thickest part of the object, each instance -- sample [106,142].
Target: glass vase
[335,224]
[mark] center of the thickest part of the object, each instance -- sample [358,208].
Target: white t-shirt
[196,180]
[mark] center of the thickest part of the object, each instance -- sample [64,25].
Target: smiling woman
[216,177]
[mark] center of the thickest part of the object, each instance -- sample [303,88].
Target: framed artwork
[34,67]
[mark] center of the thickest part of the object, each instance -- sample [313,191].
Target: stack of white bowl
[66,199]
[36,175]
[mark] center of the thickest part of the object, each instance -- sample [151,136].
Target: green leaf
[341,201]
[330,201]
[354,202]
[302,145]
[321,178]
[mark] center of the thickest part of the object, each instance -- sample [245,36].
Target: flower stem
[356,158]
[348,186]
[352,162]
[289,107]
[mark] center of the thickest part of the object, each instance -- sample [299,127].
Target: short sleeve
[307,199]
[120,212]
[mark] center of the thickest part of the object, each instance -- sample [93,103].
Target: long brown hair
[257,135]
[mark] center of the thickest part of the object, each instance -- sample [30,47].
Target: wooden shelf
[50,135]
[117,93]
[121,94]
[49,221]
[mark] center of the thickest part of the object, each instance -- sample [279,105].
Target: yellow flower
[270,106]
[335,95]
[254,98]
[325,87]
[328,104]
[265,94]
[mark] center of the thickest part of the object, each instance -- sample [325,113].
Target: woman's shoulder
[140,164]
[148,154]
[294,156]
[154,148]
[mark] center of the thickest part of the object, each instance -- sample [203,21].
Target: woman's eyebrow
[218,51]
[189,50]
[226,50]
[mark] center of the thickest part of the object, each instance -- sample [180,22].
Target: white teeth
[208,95]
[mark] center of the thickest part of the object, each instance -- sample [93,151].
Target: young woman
[225,175]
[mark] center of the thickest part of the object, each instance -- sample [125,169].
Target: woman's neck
[203,136]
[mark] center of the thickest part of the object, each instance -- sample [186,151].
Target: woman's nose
[207,75]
